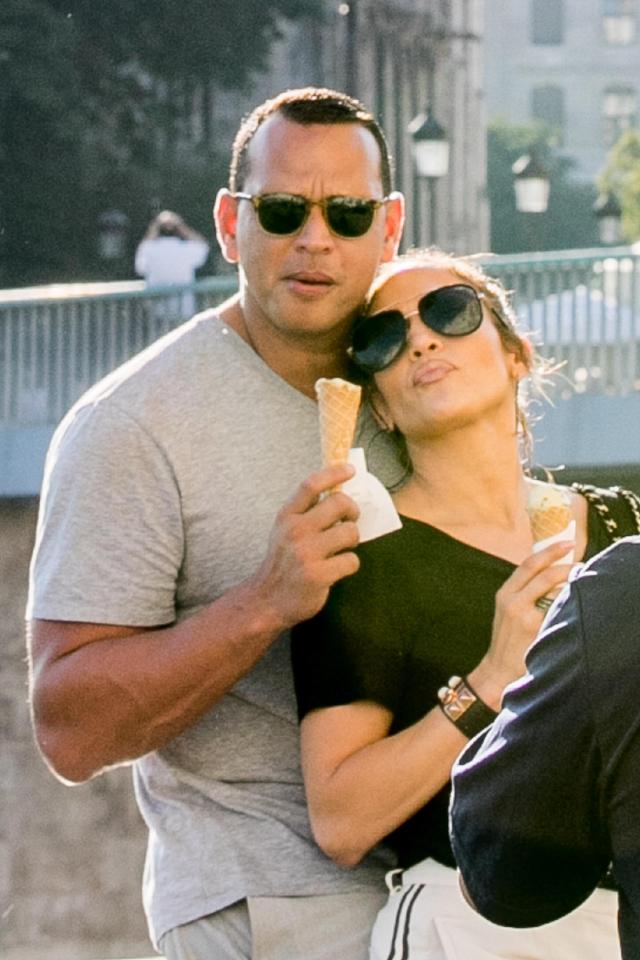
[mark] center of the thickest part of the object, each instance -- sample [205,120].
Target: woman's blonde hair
[514,339]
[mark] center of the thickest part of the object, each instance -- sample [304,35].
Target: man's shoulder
[166,381]
[197,384]
[175,360]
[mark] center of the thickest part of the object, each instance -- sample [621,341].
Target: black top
[549,794]
[419,609]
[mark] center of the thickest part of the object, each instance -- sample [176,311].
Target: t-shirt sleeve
[109,543]
[352,649]
[525,818]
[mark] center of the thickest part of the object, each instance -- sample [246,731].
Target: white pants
[427,918]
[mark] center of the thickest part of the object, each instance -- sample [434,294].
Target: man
[549,796]
[169,255]
[162,588]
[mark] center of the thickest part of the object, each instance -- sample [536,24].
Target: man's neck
[301,360]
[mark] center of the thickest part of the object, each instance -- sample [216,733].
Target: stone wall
[70,857]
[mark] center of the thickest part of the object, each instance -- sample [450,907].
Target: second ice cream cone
[550,516]
[549,509]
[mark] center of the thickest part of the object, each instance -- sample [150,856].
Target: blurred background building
[400,57]
[573,65]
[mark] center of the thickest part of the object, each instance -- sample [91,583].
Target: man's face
[313,281]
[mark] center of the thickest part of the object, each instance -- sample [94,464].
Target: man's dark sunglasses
[377,340]
[285,213]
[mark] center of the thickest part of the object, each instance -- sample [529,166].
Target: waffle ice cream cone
[551,518]
[549,509]
[338,405]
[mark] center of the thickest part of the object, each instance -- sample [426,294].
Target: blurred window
[619,18]
[547,105]
[620,112]
[547,21]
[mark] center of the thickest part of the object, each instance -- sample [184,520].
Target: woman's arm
[361,783]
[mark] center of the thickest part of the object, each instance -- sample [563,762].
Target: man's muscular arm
[104,694]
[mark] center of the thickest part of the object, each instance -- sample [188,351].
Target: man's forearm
[104,695]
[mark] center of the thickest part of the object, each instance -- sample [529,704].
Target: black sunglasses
[377,340]
[285,213]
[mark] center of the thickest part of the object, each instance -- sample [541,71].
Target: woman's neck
[465,482]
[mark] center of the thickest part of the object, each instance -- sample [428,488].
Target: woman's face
[439,383]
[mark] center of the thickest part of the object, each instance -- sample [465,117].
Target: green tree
[621,176]
[567,223]
[92,100]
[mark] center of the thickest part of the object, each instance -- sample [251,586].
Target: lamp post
[609,214]
[531,184]
[430,148]
[112,235]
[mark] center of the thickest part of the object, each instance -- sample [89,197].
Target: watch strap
[463,707]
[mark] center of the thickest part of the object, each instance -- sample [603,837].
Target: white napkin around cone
[378,514]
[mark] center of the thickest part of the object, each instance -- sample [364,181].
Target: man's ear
[394,223]
[225,217]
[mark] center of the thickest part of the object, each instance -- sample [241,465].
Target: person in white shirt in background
[169,254]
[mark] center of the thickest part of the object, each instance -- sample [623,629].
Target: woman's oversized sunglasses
[378,339]
[284,214]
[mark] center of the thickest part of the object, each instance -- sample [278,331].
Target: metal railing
[56,342]
[583,307]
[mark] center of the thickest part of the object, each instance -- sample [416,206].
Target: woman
[456,594]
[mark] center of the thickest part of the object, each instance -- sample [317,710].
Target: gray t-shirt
[160,491]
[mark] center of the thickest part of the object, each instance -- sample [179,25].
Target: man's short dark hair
[307,105]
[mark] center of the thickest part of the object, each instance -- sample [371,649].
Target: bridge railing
[55,342]
[583,307]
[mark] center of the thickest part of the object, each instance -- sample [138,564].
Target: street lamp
[430,148]
[112,236]
[609,214]
[531,184]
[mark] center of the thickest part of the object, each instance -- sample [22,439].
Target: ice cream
[549,509]
[338,404]
[550,515]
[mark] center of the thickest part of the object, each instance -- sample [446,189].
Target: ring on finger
[543,603]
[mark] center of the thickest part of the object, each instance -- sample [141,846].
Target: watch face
[456,698]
